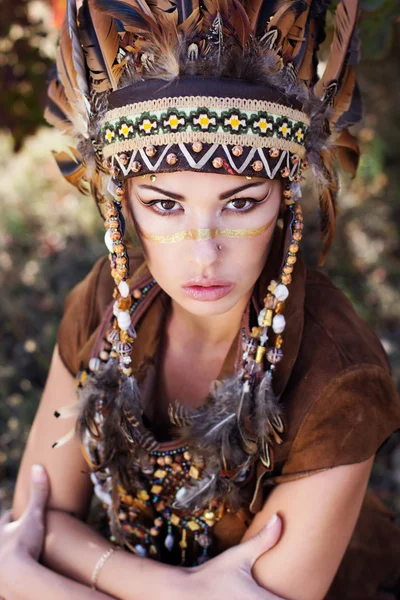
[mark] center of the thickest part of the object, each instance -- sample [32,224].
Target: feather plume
[345,20]
[73,169]
[266,413]
[328,205]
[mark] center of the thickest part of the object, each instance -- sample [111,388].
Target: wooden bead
[285,172]
[151,151]
[197,146]
[119,191]
[274,152]
[295,159]
[237,150]
[257,165]
[123,159]
[172,158]
[217,162]
[136,166]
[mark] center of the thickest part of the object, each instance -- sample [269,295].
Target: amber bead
[274,152]
[305,164]
[237,150]
[287,269]
[187,455]
[115,236]
[114,171]
[137,293]
[298,224]
[158,521]
[295,159]
[286,279]
[288,193]
[294,247]
[119,249]
[168,460]
[154,531]
[161,461]
[297,236]
[119,191]
[121,260]
[291,260]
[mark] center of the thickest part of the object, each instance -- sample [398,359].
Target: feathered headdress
[220,85]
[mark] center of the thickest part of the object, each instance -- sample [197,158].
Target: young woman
[225,382]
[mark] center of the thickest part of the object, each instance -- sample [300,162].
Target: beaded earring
[122,334]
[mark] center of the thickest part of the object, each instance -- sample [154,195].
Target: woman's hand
[229,574]
[22,540]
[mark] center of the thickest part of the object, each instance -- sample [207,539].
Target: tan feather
[345,19]
[73,169]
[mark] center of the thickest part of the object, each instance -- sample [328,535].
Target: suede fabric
[334,382]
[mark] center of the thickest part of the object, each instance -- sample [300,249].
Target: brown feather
[107,35]
[328,205]
[345,19]
[347,151]
[342,100]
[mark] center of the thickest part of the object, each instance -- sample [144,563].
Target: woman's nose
[205,253]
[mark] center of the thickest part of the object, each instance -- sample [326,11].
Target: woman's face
[206,236]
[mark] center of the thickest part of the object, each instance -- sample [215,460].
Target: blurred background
[50,236]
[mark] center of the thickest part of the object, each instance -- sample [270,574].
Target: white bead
[124,320]
[281,292]
[94,363]
[116,310]
[108,241]
[124,289]
[278,323]
[261,316]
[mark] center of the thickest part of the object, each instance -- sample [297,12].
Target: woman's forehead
[188,182]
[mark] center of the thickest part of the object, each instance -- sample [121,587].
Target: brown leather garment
[340,402]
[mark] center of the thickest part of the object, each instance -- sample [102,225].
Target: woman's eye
[167,205]
[241,204]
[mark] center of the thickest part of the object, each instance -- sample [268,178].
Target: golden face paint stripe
[205,234]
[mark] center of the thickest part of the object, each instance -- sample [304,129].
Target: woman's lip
[208,293]
[207,282]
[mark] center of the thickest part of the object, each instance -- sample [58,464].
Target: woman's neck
[209,331]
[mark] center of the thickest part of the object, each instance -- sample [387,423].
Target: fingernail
[38,475]
[272,521]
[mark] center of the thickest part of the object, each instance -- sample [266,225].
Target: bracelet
[100,563]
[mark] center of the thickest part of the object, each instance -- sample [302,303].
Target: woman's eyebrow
[222,196]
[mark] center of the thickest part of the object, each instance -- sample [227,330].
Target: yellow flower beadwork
[263,125]
[125,129]
[146,125]
[173,121]
[284,129]
[299,135]
[109,135]
[234,122]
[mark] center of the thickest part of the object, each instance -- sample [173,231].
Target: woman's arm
[319,514]
[33,581]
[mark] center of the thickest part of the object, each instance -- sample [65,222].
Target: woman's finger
[263,541]
[39,493]
[5,518]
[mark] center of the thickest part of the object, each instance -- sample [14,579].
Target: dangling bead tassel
[267,419]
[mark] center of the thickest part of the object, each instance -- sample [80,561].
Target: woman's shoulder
[340,403]
[333,325]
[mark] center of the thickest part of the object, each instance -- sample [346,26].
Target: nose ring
[219,247]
